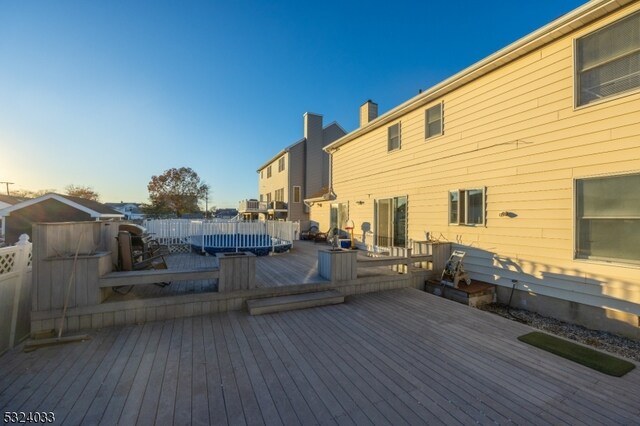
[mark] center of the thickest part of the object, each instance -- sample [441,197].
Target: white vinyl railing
[15,293]
[252,205]
[223,233]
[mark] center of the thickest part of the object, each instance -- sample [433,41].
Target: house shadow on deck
[93,304]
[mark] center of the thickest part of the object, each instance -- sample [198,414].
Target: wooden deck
[299,266]
[394,357]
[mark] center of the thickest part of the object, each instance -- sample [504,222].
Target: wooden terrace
[95,305]
[299,266]
[392,357]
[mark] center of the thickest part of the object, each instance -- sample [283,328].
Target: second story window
[433,121]
[269,172]
[281,164]
[393,139]
[608,61]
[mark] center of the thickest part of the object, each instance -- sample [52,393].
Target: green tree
[175,191]
[82,192]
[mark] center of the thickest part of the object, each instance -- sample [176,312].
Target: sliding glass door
[391,222]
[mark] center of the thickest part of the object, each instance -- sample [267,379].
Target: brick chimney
[368,112]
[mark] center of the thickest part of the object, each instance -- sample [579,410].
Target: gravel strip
[602,340]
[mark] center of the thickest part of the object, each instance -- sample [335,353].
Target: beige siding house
[528,160]
[300,169]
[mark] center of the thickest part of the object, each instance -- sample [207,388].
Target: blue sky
[108,93]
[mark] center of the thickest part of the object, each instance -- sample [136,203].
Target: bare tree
[82,192]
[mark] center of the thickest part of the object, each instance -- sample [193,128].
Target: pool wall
[260,245]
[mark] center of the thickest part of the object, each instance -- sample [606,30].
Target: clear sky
[108,93]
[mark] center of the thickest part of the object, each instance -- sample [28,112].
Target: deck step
[294,301]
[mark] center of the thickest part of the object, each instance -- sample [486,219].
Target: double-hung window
[608,218]
[269,172]
[433,121]
[608,61]
[467,206]
[393,137]
[297,194]
[281,164]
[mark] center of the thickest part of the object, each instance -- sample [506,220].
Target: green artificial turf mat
[591,358]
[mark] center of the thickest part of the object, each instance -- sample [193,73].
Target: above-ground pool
[260,245]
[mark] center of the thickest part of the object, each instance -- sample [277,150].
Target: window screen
[608,60]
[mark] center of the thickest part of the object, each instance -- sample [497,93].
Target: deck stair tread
[294,301]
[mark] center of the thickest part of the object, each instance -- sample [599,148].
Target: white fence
[15,293]
[223,233]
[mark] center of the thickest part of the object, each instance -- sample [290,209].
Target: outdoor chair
[310,234]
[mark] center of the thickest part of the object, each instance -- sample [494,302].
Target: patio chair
[309,234]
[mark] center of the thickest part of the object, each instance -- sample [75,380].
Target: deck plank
[149,406]
[392,357]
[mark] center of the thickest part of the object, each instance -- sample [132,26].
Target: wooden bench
[151,276]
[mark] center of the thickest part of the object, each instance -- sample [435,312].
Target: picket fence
[15,293]
[211,233]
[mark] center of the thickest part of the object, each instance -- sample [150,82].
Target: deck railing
[252,206]
[222,233]
[15,292]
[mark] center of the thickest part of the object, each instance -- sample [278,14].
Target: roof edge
[554,30]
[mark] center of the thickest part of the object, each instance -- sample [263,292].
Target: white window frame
[576,229]
[578,72]
[426,121]
[399,136]
[297,194]
[268,172]
[281,164]
[462,210]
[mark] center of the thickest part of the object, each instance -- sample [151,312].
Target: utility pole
[7,183]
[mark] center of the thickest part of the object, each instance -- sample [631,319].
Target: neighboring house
[131,211]
[528,160]
[19,218]
[298,170]
[7,201]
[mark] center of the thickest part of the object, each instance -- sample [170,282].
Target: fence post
[21,262]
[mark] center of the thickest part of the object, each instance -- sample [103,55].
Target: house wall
[50,210]
[516,132]
[330,134]
[278,180]
[314,162]
[297,211]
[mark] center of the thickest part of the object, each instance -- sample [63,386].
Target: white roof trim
[567,23]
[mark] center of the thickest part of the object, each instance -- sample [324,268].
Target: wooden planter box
[237,271]
[338,265]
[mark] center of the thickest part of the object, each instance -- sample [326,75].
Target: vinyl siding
[296,178]
[516,132]
[278,180]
